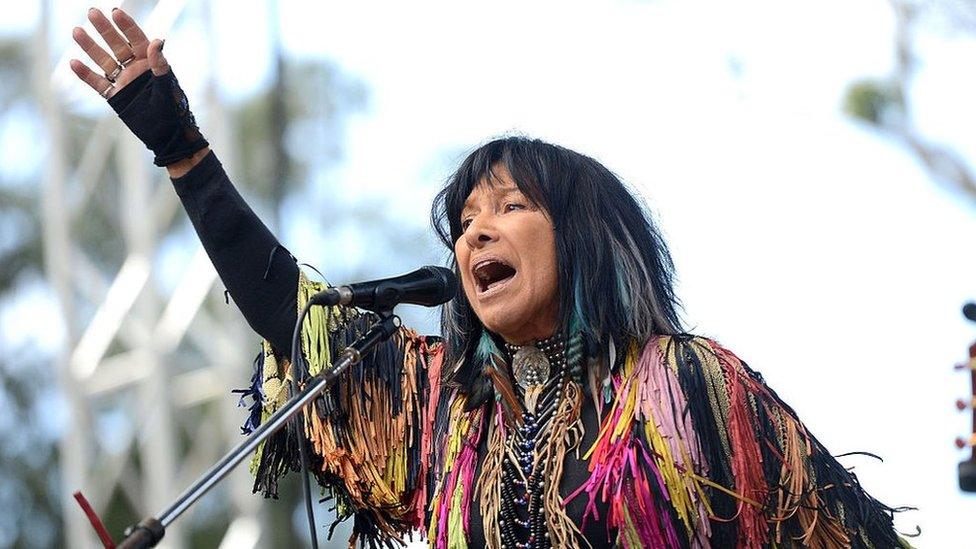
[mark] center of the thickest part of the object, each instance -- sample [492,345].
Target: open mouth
[492,273]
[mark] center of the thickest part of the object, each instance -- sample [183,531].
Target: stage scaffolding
[132,347]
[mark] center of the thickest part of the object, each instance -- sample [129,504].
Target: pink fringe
[427,433]
[463,468]
[619,467]
[663,400]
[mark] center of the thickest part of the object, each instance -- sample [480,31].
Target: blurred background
[811,164]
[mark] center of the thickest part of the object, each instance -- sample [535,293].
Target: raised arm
[374,440]
[140,86]
[259,273]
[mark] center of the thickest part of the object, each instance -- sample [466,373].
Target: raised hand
[132,53]
[141,88]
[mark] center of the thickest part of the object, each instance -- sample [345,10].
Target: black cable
[296,356]
[306,488]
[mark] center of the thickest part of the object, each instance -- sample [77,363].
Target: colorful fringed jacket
[692,449]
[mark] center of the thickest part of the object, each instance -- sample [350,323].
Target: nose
[481,231]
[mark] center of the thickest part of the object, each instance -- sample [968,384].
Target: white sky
[818,251]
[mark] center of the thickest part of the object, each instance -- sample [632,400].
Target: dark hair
[614,269]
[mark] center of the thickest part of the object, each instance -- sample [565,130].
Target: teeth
[481,271]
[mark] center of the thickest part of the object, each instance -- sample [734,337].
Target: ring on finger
[115,73]
[104,94]
[125,63]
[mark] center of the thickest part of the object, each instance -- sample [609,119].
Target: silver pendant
[530,366]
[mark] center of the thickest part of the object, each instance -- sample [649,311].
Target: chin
[497,321]
[514,325]
[506,321]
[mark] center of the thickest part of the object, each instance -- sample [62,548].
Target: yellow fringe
[461,421]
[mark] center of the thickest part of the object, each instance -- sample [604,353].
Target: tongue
[494,273]
[494,283]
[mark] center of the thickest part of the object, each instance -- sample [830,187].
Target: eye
[513,206]
[465,223]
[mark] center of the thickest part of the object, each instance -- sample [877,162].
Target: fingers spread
[157,63]
[97,82]
[97,54]
[112,37]
[137,39]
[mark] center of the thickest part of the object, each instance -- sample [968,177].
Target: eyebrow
[497,191]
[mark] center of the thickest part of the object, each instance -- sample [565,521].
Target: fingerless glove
[158,113]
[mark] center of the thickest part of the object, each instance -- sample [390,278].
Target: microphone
[427,286]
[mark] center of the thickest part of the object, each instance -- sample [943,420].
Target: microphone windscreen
[450,283]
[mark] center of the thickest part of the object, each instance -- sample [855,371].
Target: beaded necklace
[540,371]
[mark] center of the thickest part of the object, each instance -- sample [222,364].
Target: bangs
[482,168]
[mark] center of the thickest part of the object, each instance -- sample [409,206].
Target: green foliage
[20,246]
[314,98]
[28,456]
[29,490]
[887,104]
[16,81]
[874,101]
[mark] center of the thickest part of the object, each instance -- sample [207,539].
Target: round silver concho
[530,366]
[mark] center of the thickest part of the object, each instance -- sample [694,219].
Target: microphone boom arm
[151,530]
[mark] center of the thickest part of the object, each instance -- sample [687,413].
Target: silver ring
[108,89]
[130,59]
[115,74]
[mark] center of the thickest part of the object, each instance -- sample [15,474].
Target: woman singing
[562,406]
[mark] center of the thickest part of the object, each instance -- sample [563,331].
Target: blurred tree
[28,456]
[885,103]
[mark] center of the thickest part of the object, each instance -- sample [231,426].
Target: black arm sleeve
[259,273]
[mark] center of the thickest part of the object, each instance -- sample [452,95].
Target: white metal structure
[126,372]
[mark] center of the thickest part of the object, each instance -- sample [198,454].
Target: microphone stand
[149,531]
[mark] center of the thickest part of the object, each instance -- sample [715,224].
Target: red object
[96,522]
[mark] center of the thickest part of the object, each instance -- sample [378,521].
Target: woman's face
[507,259]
